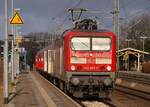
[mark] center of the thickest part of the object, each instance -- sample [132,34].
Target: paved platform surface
[29,93]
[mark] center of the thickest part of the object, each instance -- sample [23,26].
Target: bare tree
[135,29]
[36,41]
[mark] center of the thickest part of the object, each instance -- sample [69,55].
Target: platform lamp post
[5,74]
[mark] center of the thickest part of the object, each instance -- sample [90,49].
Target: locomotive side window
[80,43]
[102,44]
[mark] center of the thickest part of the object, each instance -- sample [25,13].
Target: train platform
[29,93]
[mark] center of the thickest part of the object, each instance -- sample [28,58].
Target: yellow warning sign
[16,19]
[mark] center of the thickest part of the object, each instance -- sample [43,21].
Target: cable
[60,13]
[125,10]
[78,3]
[64,9]
[136,13]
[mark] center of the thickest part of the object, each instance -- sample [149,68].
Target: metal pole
[114,17]
[12,62]
[128,40]
[5,74]
[138,62]
[12,31]
[25,60]
[143,43]
[15,51]
[17,54]
[128,63]
[143,37]
[116,27]
[18,70]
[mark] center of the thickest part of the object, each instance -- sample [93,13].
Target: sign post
[16,20]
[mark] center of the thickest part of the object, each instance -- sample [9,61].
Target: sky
[52,16]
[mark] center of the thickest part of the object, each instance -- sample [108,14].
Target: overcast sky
[49,15]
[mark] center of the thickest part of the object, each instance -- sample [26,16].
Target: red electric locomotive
[81,61]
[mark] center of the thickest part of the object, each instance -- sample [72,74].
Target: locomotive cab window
[102,44]
[91,43]
[80,43]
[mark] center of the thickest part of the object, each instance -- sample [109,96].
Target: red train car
[39,61]
[81,62]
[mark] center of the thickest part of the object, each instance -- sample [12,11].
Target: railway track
[119,98]
[59,97]
[123,99]
[76,102]
[133,95]
[137,84]
[134,92]
[133,89]
[134,76]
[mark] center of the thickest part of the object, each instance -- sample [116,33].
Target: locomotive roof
[74,30]
[80,30]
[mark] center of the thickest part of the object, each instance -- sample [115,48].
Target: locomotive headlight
[75,81]
[107,81]
[73,67]
[77,60]
[108,68]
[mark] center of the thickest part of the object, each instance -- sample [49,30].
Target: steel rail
[78,102]
[133,92]
[135,76]
[131,76]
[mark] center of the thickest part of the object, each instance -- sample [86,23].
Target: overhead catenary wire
[63,11]
[104,15]
[66,17]
[135,14]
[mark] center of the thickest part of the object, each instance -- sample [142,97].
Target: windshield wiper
[83,43]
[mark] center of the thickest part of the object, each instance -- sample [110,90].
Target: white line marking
[78,105]
[45,96]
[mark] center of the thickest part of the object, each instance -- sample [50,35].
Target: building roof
[133,50]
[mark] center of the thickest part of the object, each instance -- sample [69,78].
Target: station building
[133,60]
